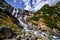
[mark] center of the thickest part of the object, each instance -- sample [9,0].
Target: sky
[31,5]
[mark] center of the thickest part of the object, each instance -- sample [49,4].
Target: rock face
[41,24]
[6,32]
[5,5]
[6,20]
[17,14]
[14,13]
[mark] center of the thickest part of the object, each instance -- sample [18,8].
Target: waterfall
[13,11]
[25,26]
[22,17]
[16,13]
[21,23]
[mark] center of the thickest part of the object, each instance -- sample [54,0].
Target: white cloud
[27,5]
[28,8]
[20,1]
[33,2]
[37,4]
[52,2]
[14,0]
[24,1]
[40,3]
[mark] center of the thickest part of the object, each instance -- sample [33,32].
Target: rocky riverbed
[34,34]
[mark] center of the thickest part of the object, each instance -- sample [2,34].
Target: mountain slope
[50,15]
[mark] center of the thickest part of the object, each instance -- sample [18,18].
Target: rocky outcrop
[50,15]
[7,20]
[41,24]
[6,32]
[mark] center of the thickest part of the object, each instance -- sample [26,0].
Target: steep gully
[25,26]
[21,19]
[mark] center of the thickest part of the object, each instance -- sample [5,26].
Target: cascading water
[14,13]
[21,23]
[25,26]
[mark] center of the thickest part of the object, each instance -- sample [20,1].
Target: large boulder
[6,32]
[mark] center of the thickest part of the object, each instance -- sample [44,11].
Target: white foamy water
[13,11]
[16,13]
